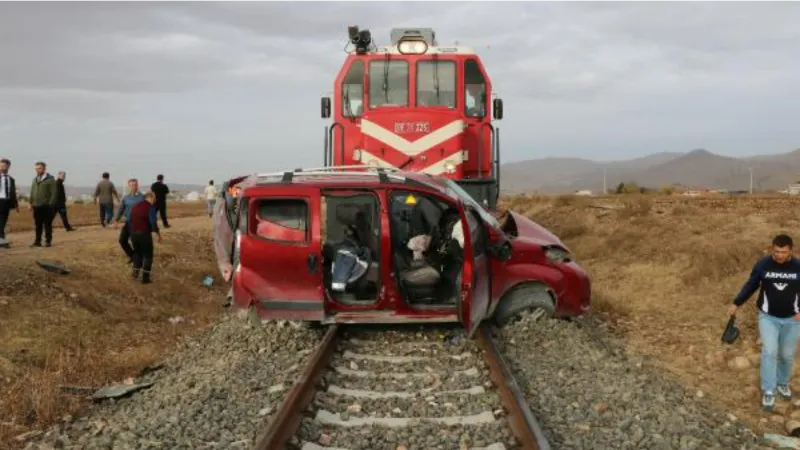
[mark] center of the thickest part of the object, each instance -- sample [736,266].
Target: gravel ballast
[587,393]
[216,391]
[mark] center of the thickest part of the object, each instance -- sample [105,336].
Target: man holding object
[778,276]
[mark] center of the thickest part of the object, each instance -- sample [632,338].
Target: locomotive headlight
[373,163]
[412,47]
[449,166]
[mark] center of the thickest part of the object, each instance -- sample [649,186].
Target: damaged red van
[369,245]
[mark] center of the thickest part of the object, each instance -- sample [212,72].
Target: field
[88,214]
[95,325]
[664,270]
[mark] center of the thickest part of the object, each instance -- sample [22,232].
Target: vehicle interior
[351,247]
[427,253]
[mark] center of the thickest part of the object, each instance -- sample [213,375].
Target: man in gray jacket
[44,197]
[104,195]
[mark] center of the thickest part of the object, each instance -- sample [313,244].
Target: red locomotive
[416,106]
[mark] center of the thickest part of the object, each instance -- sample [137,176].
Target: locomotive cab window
[474,90]
[353,90]
[436,83]
[388,83]
[284,220]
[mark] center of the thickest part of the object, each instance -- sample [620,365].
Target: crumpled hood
[528,231]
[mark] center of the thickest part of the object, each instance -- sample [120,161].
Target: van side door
[476,281]
[280,260]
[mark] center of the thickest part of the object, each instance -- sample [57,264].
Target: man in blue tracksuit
[130,200]
[778,305]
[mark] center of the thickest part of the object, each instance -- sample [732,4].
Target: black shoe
[47,244]
[36,244]
[135,274]
[167,226]
[70,229]
[146,279]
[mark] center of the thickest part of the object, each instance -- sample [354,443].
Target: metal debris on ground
[54,266]
[208,281]
[782,441]
[119,390]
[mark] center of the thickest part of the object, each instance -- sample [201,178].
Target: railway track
[403,390]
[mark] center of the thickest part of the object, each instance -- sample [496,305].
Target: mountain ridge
[699,168]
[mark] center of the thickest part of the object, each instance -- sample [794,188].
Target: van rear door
[475,279]
[281,258]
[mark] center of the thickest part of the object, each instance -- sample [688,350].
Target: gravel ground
[425,387]
[588,394]
[216,391]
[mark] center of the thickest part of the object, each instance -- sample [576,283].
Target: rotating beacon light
[412,47]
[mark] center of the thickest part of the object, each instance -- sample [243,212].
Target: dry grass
[665,269]
[88,214]
[94,326]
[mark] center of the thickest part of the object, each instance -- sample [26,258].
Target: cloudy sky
[200,90]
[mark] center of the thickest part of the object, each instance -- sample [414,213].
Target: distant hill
[698,168]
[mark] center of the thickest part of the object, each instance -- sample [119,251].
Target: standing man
[8,197]
[778,305]
[104,195]
[44,196]
[161,190]
[61,204]
[142,223]
[211,197]
[130,200]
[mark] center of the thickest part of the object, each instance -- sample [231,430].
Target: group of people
[48,198]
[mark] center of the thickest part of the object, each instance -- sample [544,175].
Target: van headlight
[557,255]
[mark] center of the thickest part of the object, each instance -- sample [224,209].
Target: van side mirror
[326,107]
[498,108]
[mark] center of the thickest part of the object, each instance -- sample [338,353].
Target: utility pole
[751,180]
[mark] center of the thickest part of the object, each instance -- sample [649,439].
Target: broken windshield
[388,83]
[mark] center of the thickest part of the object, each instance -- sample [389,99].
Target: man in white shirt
[8,197]
[211,197]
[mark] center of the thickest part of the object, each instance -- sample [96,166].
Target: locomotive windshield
[388,83]
[436,83]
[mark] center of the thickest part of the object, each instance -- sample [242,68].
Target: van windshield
[453,188]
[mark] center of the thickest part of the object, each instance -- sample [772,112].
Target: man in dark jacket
[141,223]
[61,204]
[8,198]
[44,196]
[161,191]
[778,276]
[104,195]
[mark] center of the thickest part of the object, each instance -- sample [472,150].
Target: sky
[218,89]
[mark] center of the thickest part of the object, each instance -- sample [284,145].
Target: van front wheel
[533,298]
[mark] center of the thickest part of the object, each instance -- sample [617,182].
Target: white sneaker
[784,391]
[768,400]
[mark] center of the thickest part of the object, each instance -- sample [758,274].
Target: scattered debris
[208,281]
[119,390]
[783,441]
[265,411]
[25,436]
[325,439]
[150,369]
[176,320]
[275,389]
[54,266]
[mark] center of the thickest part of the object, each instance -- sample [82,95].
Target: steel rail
[285,423]
[521,418]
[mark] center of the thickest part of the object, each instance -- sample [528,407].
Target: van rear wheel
[533,298]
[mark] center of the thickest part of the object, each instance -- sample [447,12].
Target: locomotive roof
[432,50]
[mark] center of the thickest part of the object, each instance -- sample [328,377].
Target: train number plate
[412,127]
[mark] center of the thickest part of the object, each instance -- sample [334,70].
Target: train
[416,106]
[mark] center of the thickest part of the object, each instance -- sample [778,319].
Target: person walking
[778,275]
[104,195]
[131,199]
[8,198]
[161,191]
[211,197]
[44,196]
[142,222]
[61,203]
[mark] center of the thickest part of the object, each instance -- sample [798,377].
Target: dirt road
[92,234]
